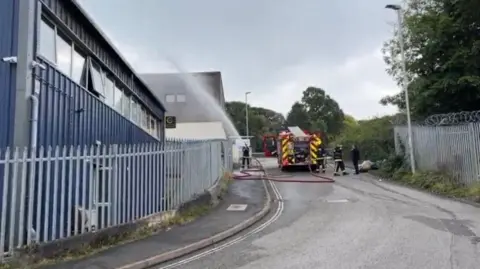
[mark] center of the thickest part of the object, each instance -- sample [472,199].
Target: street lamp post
[246,113]
[398,10]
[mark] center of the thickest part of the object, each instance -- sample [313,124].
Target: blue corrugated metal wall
[8,47]
[71,116]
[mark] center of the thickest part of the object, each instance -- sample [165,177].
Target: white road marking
[237,207]
[238,239]
[338,201]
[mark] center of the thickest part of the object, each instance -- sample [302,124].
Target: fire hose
[246,174]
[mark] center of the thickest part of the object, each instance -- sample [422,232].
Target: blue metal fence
[54,193]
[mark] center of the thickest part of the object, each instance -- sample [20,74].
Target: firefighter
[246,156]
[338,158]
[355,158]
[322,154]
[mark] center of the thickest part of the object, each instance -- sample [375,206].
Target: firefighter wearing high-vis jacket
[338,158]
[322,154]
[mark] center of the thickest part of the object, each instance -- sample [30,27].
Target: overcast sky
[273,48]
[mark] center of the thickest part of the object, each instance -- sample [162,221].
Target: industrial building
[189,97]
[62,83]
[183,100]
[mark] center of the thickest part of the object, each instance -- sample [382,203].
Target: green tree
[324,112]
[442,54]
[298,116]
[374,137]
[349,122]
[260,121]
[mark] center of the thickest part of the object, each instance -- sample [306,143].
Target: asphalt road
[357,222]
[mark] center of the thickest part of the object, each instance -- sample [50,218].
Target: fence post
[474,141]
[114,182]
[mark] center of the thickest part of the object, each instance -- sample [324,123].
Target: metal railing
[55,193]
[453,149]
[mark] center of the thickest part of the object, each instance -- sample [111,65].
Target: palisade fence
[55,193]
[445,142]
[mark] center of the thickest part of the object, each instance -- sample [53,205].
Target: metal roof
[197,130]
[89,19]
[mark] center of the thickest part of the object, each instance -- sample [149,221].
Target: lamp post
[246,113]
[398,10]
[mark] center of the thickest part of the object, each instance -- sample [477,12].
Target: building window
[59,50]
[54,47]
[64,55]
[153,127]
[181,98]
[47,41]
[144,119]
[159,129]
[118,96]
[109,91]
[79,70]
[126,106]
[97,79]
[170,98]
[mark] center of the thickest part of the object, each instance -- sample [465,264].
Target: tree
[442,55]
[349,122]
[298,116]
[323,111]
[261,121]
[373,137]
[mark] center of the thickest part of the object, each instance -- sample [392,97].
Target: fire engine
[297,148]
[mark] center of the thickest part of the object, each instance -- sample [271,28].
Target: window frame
[138,114]
[60,36]
[53,26]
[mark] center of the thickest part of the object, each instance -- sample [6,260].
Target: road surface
[357,222]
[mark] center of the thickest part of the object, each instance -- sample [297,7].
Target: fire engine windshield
[301,146]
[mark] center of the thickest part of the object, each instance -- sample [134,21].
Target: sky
[272,48]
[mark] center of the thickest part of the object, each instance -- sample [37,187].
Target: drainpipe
[35,106]
[34,121]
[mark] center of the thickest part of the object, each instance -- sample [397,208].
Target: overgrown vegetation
[32,258]
[438,182]
[373,137]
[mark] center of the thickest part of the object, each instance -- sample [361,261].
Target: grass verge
[32,259]
[434,182]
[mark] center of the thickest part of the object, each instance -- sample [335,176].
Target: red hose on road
[246,174]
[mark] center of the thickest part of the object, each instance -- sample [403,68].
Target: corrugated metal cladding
[75,20]
[69,115]
[8,47]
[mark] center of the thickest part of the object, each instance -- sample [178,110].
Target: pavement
[248,198]
[356,222]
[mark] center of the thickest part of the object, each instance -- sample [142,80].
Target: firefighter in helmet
[322,154]
[338,158]
[245,156]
